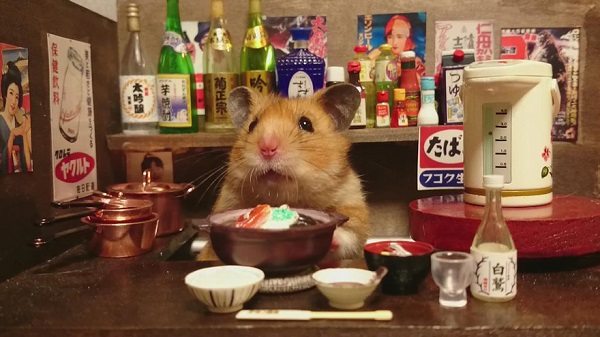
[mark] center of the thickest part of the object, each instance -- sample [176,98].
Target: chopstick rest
[305,315]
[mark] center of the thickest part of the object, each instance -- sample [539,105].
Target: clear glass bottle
[175,81]
[220,71]
[367,81]
[257,66]
[495,254]
[137,83]
[360,117]
[300,73]
[386,76]
[427,112]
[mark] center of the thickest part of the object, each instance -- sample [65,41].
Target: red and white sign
[440,159]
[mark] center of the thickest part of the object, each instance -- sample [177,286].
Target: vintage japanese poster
[560,48]
[160,164]
[195,34]
[475,35]
[403,31]
[278,29]
[440,157]
[71,118]
[15,110]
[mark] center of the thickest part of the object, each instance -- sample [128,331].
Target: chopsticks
[305,315]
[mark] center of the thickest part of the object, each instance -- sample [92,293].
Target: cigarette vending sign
[71,118]
[440,159]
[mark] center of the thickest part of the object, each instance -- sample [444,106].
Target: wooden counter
[80,295]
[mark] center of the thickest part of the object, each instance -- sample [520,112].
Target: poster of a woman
[15,120]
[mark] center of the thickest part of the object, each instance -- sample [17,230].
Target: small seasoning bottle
[409,80]
[360,117]
[382,110]
[427,113]
[399,116]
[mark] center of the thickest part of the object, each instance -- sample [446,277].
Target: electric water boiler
[508,112]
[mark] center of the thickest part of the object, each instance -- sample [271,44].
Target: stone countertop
[77,294]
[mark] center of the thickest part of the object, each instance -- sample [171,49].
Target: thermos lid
[496,68]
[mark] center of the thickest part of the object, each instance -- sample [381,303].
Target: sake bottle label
[217,87]
[495,271]
[219,39]
[175,41]
[174,100]
[260,80]
[138,98]
[256,37]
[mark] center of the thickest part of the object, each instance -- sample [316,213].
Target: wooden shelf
[203,139]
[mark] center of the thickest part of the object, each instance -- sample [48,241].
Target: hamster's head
[287,147]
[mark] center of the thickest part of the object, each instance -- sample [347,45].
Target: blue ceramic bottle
[300,73]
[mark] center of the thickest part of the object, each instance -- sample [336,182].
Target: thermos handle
[555,98]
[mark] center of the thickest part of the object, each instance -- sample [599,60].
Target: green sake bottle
[257,64]
[176,86]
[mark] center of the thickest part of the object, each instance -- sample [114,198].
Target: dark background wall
[26,197]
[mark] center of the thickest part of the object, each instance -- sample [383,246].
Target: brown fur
[314,166]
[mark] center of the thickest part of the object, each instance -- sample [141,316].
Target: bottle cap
[382,96]
[427,83]
[360,49]
[301,33]
[353,67]
[385,47]
[493,181]
[399,94]
[458,56]
[408,54]
[335,74]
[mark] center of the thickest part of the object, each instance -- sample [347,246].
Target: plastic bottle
[257,66]
[386,76]
[409,80]
[493,249]
[360,117]
[367,81]
[334,75]
[137,82]
[300,73]
[220,68]
[175,82]
[382,110]
[427,113]
[399,115]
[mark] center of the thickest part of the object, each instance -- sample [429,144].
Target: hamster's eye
[252,125]
[305,124]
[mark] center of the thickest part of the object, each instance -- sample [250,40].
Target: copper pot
[122,239]
[166,199]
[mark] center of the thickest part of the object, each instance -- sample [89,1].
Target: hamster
[291,151]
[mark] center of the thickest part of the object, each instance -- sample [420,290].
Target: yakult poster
[71,118]
[560,48]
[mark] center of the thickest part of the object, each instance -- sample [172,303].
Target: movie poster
[477,35]
[560,48]
[15,109]
[71,118]
[403,31]
[278,29]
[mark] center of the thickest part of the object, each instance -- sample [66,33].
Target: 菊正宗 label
[174,100]
[217,87]
[138,99]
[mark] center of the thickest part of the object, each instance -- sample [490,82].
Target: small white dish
[224,289]
[347,288]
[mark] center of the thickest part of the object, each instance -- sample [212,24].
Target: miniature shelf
[203,139]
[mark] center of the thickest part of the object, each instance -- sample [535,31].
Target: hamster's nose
[268,147]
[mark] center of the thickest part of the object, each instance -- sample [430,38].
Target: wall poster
[71,118]
[15,108]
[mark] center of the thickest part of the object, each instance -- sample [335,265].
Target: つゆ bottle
[495,254]
[300,73]
[220,69]
[257,60]
[137,83]
[175,81]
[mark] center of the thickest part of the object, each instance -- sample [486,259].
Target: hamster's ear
[340,101]
[239,104]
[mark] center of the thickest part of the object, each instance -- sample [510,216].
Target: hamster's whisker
[205,176]
[318,168]
[213,184]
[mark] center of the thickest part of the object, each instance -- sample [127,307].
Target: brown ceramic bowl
[275,251]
